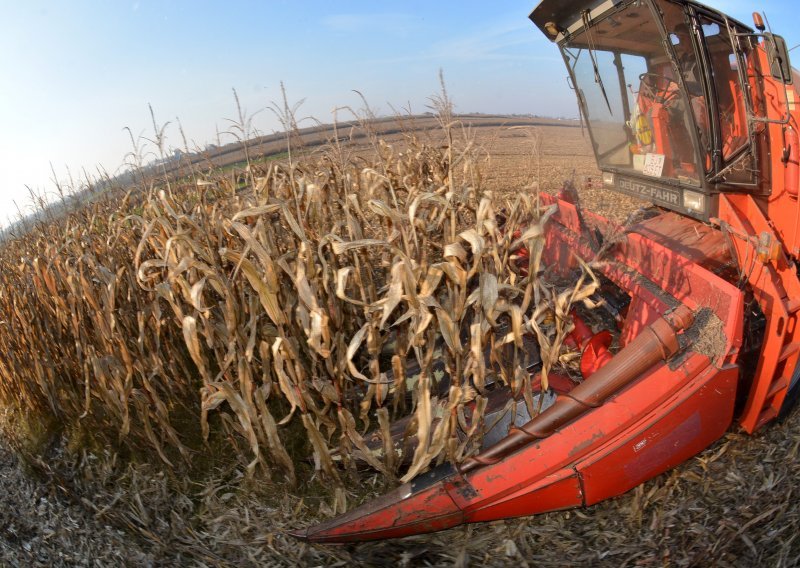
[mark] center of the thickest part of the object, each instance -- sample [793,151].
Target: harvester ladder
[776,287]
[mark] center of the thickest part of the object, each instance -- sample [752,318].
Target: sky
[74,75]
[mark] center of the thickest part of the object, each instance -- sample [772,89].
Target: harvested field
[133,460]
[519,151]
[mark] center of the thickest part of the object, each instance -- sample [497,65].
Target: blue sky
[75,73]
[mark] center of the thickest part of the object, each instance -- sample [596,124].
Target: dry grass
[293,303]
[268,319]
[244,334]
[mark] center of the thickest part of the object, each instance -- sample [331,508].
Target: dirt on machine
[697,113]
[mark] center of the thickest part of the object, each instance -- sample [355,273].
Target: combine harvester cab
[696,113]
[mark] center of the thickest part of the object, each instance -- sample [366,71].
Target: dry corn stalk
[310,292]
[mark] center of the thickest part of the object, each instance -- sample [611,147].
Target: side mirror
[778,56]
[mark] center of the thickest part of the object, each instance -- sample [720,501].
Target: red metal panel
[777,289]
[543,459]
[561,490]
[677,430]
[396,514]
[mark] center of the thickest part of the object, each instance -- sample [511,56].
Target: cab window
[730,99]
[680,38]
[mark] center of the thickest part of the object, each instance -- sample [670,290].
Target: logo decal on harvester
[661,195]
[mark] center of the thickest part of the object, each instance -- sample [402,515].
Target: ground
[41,524]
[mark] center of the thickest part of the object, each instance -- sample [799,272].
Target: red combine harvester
[697,113]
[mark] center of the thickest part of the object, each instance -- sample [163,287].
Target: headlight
[694,201]
[608,178]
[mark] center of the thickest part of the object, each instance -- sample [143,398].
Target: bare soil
[41,525]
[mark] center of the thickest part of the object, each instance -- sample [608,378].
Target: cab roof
[564,13]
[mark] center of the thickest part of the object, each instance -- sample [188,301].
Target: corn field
[279,317]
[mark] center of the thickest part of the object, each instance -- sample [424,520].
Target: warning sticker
[653,165]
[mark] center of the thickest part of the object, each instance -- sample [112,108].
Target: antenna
[769,27]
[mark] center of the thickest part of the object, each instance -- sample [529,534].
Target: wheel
[659,88]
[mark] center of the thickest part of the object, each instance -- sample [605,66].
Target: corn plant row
[297,301]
